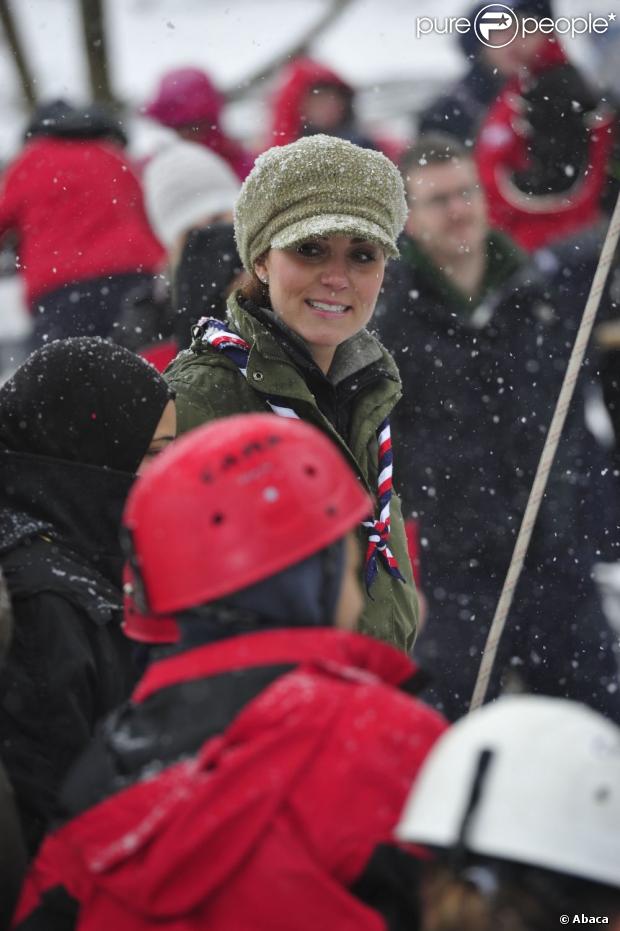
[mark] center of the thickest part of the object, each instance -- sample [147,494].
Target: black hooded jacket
[75,422]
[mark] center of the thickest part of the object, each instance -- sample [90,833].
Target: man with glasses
[481,350]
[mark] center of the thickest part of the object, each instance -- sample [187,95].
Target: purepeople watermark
[497,25]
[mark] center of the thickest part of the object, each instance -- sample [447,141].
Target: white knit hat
[184,184]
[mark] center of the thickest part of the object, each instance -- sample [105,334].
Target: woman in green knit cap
[315,223]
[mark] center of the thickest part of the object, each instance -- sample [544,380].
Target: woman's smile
[325,289]
[327,308]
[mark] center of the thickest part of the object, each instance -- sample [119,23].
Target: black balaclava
[208,265]
[83,400]
[303,595]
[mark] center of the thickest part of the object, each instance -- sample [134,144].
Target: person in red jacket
[312,98]
[255,777]
[76,207]
[544,150]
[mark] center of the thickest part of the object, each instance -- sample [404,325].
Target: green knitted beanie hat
[318,186]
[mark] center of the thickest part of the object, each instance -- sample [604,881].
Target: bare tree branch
[335,9]
[25,78]
[96,50]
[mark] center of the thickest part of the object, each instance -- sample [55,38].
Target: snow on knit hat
[184,184]
[318,186]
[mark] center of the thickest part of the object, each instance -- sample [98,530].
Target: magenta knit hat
[184,96]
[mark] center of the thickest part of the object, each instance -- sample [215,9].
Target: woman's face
[165,433]
[324,288]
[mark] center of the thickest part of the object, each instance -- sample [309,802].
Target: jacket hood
[290,645]
[208,265]
[301,75]
[78,506]
[83,400]
[144,846]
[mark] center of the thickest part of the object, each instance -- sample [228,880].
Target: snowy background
[373,45]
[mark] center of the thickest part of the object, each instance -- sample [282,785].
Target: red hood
[284,770]
[300,76]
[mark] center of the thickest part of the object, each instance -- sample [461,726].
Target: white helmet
[550,795]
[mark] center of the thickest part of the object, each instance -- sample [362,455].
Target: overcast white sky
[373,42]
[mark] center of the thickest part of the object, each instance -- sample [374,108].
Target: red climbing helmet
[230,504]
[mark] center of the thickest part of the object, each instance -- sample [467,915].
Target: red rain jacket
[300,77]
[267,827]
[78,210]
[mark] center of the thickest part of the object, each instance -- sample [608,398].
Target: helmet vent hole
[331,511]
[217,519]
[310,470]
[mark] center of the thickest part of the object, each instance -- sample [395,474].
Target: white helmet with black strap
[528,779]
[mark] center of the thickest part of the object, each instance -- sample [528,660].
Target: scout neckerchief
[215,333]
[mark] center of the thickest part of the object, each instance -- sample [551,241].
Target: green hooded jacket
[362,388]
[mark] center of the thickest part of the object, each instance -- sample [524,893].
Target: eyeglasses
[441,201]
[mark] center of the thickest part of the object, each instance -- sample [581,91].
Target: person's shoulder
[203,370]
[208,385]
[204,363]
[45,580]
[399,723]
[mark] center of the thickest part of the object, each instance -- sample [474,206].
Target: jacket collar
[325,646]
[274,371]
[503,259]
[276,341]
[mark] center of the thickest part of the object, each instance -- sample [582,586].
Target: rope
[546,460]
